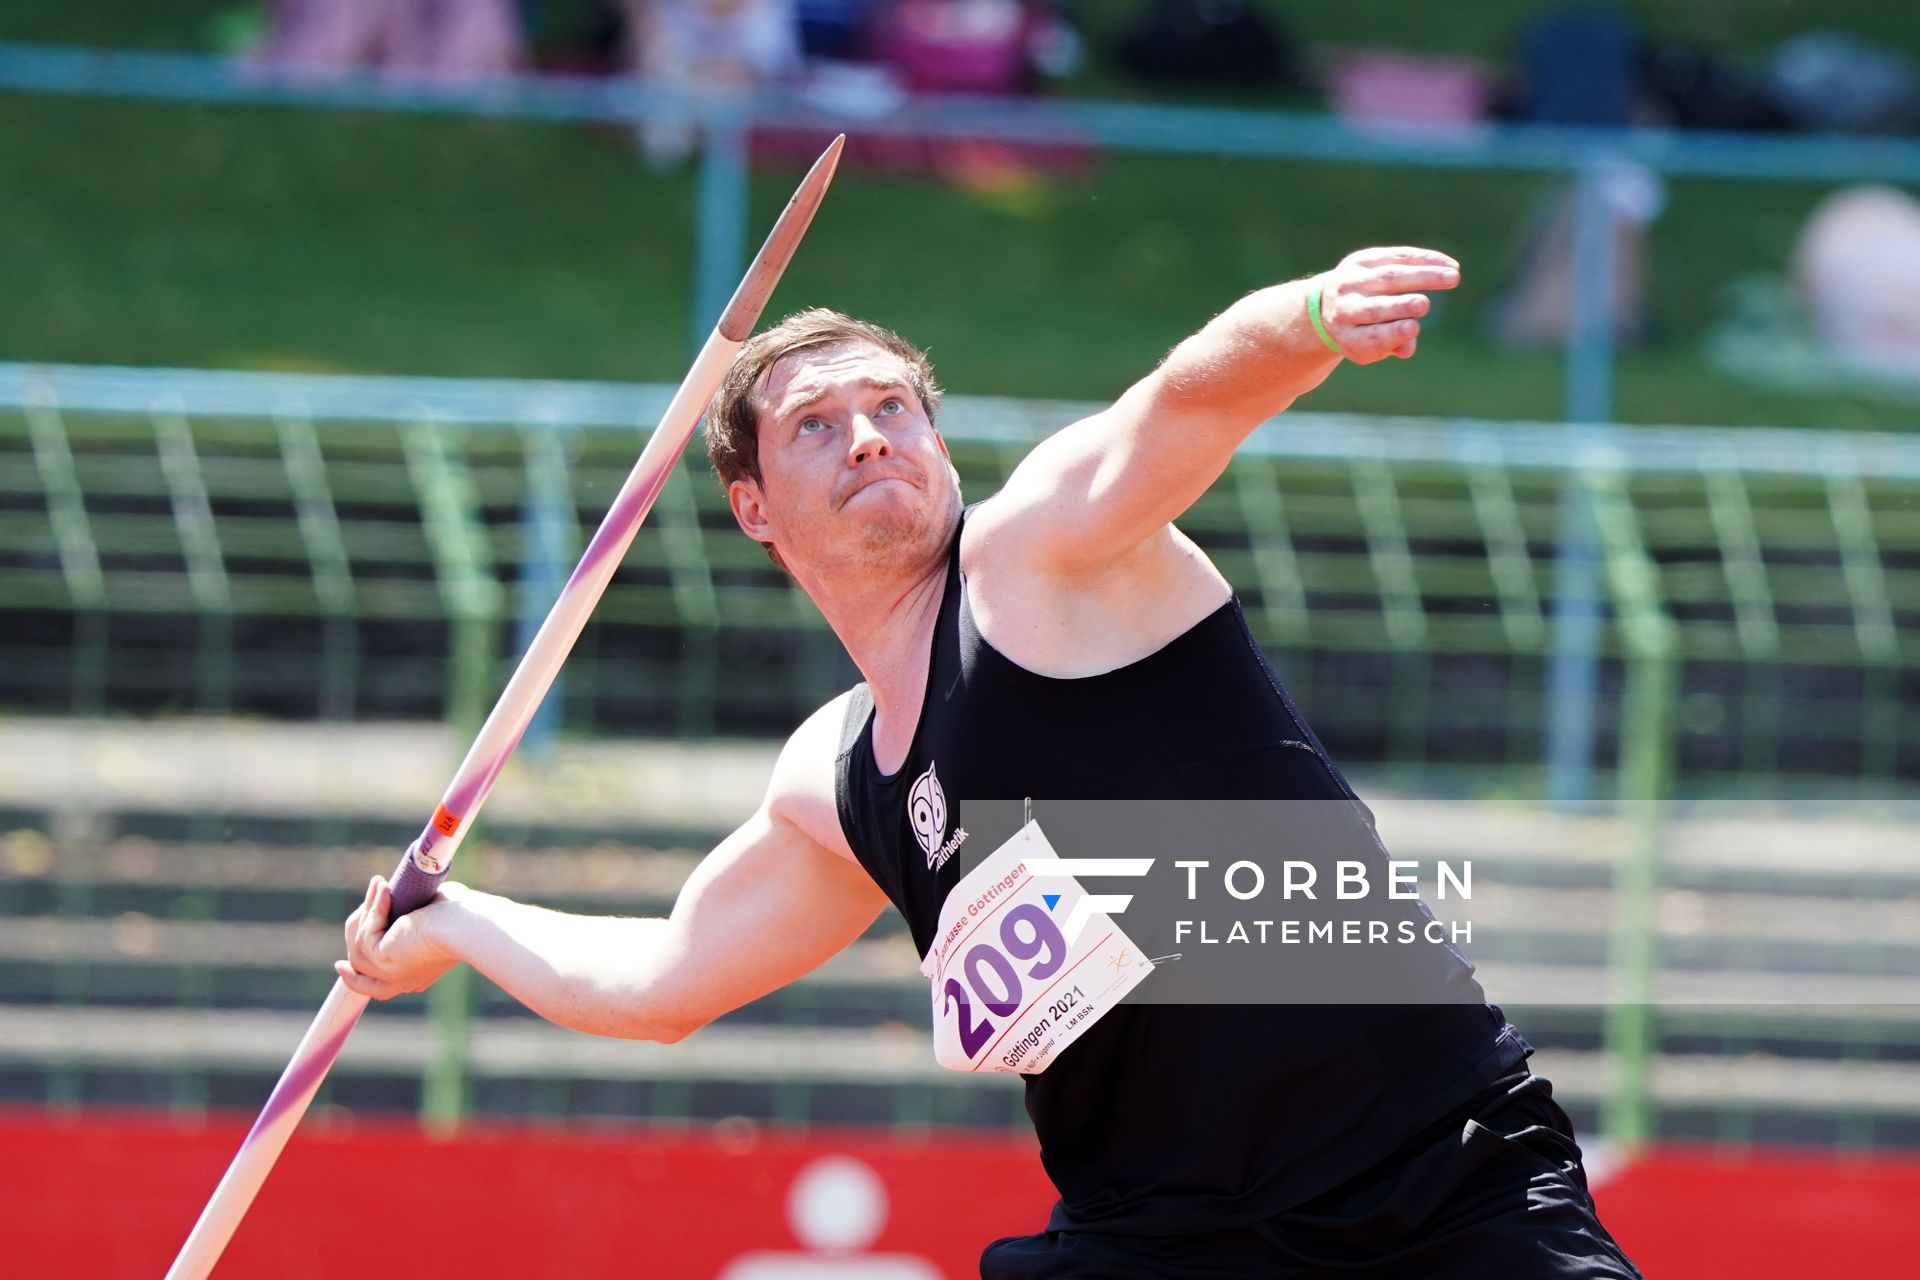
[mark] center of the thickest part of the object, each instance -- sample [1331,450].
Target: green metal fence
[287,549]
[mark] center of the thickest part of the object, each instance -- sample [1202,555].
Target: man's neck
[887,627]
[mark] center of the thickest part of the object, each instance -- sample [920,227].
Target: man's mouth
[868,484]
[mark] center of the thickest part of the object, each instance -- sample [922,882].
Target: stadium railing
[355,547]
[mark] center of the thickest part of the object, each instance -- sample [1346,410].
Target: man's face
[852,473]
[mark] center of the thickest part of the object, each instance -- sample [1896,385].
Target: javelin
[429,858]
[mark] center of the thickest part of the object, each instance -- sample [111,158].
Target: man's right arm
[773,901]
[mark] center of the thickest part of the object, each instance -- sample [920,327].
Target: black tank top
[1166,1118]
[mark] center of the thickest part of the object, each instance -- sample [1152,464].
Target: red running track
[107,1194]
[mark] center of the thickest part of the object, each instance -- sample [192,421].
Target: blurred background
[330,328]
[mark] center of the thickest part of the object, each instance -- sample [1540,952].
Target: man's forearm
[1115,481]
[1249,362]
[588,973]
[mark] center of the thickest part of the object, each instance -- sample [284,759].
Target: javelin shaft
[430,857]
[278,1119]
[431,854]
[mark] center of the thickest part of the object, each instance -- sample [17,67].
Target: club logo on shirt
[927,815]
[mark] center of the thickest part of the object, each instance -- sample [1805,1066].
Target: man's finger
[1404,278]
[360,950]
[365,940]
[1406,352]
[1382,310]
[1402,253]
[359,913]
[1377,341]
[374,919]
[372,988]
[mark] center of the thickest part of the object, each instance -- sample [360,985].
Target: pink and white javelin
[429,858]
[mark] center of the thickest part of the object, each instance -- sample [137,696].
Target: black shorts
[1495,1191]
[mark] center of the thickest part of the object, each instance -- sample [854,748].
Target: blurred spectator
[976,46]
[1835,83]
[713,44]
[729,43]
[1578,68]
[836,30]
[1693,86]
[435,39]
[1536,306]
[1377,86]
[1207,43]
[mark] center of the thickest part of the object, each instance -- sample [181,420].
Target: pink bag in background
[960,46]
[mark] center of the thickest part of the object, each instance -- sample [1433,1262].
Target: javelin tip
[737,321]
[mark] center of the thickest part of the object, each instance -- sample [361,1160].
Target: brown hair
[733,416]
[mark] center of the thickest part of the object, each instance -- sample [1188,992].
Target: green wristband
[1313,314]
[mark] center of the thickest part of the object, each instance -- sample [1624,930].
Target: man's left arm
[1095,491]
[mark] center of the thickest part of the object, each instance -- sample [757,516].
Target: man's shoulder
[999,542]
[803,789]
[1066,621]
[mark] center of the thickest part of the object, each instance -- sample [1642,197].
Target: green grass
[281,239]
[268,238]
[274,238]
[147,24]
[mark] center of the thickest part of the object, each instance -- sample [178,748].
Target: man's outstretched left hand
[1372,303]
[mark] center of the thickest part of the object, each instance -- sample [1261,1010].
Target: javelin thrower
[429,858]
[1064,639]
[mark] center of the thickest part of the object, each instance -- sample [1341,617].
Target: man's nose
[867,441]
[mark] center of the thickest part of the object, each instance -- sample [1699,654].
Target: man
[1064,640]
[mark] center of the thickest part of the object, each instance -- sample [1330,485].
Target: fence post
[471,599]
[1573,673]
[327,559]
[1873,620]
[1646,748]
[79,555]
[548,525]
[695,602]
[720,213]
[199,536]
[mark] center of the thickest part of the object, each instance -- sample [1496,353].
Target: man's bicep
[1093,492]
[767,906]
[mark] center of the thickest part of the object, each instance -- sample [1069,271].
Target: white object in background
[836,1207]
[1857,266]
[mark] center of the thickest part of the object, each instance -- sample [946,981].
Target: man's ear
[749,510]
[952,470]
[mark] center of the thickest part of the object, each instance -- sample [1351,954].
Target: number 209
[991,978]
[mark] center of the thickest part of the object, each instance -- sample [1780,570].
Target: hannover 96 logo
[927,815]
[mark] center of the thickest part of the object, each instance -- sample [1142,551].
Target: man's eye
[892,406]
[810,425]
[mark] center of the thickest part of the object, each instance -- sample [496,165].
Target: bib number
[1010,988]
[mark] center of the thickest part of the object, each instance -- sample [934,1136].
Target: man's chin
[891,524]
